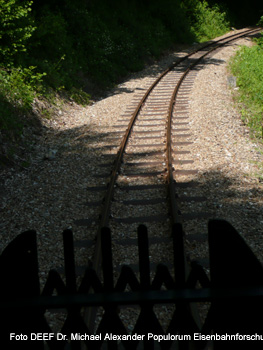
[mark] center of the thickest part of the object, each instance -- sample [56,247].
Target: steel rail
[176,218]
[105,212]
[106,202]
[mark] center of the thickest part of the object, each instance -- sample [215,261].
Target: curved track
[155,141]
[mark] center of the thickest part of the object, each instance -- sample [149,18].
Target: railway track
[147,179]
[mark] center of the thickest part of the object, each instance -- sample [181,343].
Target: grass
[247,66]
[259,173]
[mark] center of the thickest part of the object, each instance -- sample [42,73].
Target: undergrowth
[207,22]
[247,66]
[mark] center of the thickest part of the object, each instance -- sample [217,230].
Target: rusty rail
[175,214]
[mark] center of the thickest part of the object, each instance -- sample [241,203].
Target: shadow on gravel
[73,155]
[237,200]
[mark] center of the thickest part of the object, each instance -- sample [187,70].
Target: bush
[207,22]
[18,89]
[19,86]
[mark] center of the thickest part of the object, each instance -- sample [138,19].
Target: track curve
[161,116]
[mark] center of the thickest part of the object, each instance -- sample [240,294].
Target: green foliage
[16,27]
[260,23]
[247,65]
[19,86]
[207,21]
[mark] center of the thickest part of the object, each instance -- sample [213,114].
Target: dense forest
[51,47]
